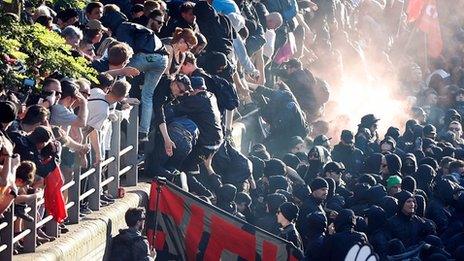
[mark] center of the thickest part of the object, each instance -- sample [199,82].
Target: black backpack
[225,93]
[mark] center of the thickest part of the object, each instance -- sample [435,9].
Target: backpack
[232,165]
[283,111]
[122,249]
[225,93]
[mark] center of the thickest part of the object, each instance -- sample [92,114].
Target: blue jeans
[153,65]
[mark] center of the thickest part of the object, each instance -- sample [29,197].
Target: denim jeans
[153,66]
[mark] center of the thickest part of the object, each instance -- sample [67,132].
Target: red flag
[190,229]
[430,25]
[414,10]
[54,200]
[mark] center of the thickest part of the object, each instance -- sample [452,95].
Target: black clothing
[409,229]
[310,205]
[216,28]
[130,245]
[290,233]
[161,97]
[27,150]
[202,109]
[168,30]
[139,37]
[269,223]
[350,156]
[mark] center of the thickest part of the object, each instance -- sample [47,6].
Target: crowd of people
[198,67]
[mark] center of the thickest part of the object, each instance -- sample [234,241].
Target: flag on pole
[191,229]
[429,24]
[414,10]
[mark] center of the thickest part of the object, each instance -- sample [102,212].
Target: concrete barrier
[90,239]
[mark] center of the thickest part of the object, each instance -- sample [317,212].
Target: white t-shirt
[99,109]
[268,48]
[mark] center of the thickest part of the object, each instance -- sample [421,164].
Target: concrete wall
[90,239]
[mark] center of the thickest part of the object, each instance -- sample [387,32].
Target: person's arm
[168,143]
[259,63]
[83,114]
[95,143]
[126,71]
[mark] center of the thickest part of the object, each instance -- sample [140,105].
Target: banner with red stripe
[191,229]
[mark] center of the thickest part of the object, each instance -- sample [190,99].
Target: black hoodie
[317,223]
[337,245]
[139,37]
[377,232]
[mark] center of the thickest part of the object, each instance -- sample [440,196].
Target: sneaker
[143,136]
[63,229]
[106,199]
[85,210]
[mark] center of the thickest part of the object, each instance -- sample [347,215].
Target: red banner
[190,229]
[430,25]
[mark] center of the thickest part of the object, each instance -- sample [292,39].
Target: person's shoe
[40,233]
[143,137]
[63,228]
[85,210]
[42,240]
[107,197]
[106,200]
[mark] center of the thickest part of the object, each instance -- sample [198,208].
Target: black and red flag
[191,229]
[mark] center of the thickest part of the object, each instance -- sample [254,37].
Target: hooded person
[243,203]
[278,182]
[348,154]
[409,165]
[336,246]
[372,164]
[300,192]
[334,201]
[260,151]
[286,217]
[421,205]
[313,203]
[268,220]
[424,177]
[377,230]
[360,200]
[409,184]
[376,194]
[317,224]
[225,198]
[318,156]
[406,225]
[438,209]
[393,167]
[390,205]
[336,171]
[291,160]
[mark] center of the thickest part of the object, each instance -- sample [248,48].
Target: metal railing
[127,156]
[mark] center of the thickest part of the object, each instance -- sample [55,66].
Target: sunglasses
[384,165]
[86,94]
[454,129]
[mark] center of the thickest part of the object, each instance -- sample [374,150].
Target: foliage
[33,51]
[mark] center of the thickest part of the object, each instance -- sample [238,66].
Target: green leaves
[41,51]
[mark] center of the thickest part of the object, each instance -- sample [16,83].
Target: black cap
[347,136]
[289,211]
[319,183]
[368,120]
[333,167]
